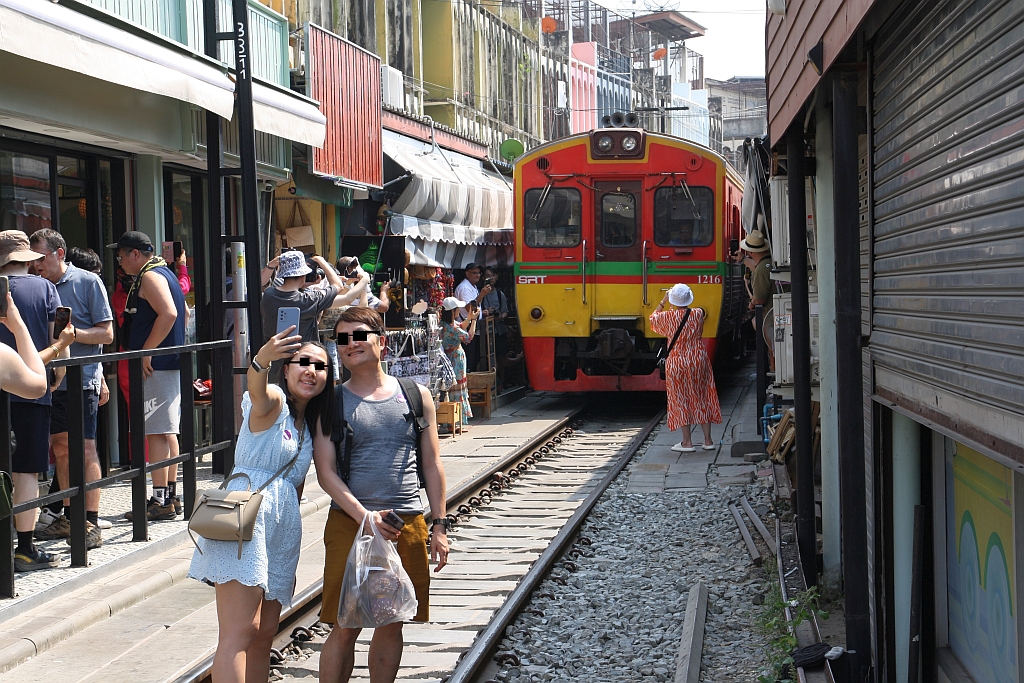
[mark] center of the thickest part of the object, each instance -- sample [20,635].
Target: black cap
[472,266]
[133,239]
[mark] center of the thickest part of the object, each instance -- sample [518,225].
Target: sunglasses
[357,336]
[306,362]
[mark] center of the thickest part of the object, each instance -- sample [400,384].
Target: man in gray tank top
[382,478]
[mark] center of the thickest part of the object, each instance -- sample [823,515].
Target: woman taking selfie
[689,382]
[274,448]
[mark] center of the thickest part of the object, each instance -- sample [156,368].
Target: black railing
[138,468]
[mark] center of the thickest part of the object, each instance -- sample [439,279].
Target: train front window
[684,218]
[618,219]
[553,220]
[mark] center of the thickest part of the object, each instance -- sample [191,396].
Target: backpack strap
[341,431]
[414,398]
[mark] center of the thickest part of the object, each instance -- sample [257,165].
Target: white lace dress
[278,531]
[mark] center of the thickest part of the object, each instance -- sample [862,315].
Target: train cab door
[618,244]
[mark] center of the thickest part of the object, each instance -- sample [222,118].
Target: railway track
[513,521]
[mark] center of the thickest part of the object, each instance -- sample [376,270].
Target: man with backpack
[383,447]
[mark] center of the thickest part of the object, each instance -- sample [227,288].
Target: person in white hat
[453,336]
[689,383]
[757,260]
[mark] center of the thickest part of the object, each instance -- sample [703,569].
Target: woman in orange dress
[690,384]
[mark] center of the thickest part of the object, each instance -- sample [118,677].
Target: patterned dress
[452,339]
[692,397]
[270,558]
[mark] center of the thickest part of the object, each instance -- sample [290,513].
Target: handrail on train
[138,468]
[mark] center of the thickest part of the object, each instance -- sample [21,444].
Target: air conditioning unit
[392,85]
[783,311]
[778,188]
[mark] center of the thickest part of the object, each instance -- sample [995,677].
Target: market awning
[450,188]
[453,255]
[56,35]
[435,231]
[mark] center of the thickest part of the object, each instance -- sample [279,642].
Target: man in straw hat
[758,262]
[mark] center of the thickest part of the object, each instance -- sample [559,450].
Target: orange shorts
[339,535]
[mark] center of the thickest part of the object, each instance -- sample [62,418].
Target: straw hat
[14,246]
[754,242]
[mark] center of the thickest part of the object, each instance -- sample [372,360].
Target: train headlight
[604,143]
[629,143]
[537,313]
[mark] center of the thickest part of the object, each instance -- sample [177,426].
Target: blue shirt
[84,294]
[145,316]
[37,302]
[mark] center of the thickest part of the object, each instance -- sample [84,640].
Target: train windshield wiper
[689,195]
[543,198]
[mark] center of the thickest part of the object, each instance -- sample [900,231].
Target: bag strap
[341,431]
[291,463]
[679,329]
[414,398]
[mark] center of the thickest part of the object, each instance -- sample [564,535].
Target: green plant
[781,633]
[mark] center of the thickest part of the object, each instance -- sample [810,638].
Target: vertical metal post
[76,463]
[806,536]
[761,354]
[137,430]
[849,388]
[7,534]
[188,432]
[247,159]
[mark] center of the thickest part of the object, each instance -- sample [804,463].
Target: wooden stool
[481,388]
[450,413]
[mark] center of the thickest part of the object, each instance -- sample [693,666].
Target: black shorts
[59,412]
[30,422]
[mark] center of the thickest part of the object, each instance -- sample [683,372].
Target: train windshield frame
[618,219]
[556,222]
[684,217]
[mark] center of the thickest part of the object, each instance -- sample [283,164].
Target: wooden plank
[755,554]
[691,646]
[759,525]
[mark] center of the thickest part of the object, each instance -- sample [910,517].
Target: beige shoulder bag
[222,515]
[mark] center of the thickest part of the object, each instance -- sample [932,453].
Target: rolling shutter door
[947,325]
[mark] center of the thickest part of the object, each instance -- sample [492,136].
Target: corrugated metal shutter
[345,79]
[947,333]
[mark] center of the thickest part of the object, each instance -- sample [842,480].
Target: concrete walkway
[662,469]
[149,606]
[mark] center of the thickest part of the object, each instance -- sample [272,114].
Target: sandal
[710,447]
[680,448]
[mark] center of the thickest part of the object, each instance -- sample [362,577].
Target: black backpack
[341,430]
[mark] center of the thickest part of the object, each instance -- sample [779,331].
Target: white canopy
[53,34]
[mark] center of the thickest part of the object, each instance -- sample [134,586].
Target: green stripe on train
[626,268]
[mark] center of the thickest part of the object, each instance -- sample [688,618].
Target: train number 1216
[709,279]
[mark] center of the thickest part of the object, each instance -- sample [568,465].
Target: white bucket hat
[292,264]
[450,303]
[680,295]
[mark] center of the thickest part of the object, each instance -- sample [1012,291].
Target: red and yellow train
[605,223]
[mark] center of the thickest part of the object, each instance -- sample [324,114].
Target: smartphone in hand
[4,289]
[61,319]
[393,520]
[287,316]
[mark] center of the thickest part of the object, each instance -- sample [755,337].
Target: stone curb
[691,645]
[45,638]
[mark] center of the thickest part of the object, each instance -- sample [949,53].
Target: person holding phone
[311,302]
[37,300]
[382,481]
[85,298]
[279,425]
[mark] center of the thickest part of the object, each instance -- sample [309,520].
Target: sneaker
[155,511]
[177,505]
[46,518]
[30,562]
[93,536]
[104,523]
[60,528]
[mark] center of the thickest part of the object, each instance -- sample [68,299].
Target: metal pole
[849,390]
[806,536]
[76,465]
[247,160]
[7,533]
[761,354]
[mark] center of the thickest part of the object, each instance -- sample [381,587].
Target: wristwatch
[257,367]
[444,521]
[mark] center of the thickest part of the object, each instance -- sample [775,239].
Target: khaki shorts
[339,534]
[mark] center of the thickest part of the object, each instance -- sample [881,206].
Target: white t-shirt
[466,291]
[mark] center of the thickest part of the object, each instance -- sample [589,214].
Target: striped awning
[436,231]
[450,188]
[453,255]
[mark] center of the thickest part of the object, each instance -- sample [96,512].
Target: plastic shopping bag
[376,590]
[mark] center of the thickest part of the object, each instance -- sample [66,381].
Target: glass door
[617,249]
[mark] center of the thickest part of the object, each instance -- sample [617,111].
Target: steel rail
[308,601]
[487,640]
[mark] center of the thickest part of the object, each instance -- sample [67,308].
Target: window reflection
[555,222]
[24,192]
[682,219]
[618,219]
